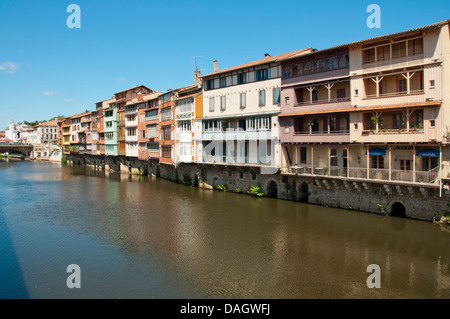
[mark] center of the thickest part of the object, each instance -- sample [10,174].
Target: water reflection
[168,240]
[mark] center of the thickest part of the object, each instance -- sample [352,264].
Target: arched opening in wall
[272,189]
[304,193]
[216,181]
[398,210]
[195,181]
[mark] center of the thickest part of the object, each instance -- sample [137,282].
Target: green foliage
[238,190]
[255,191]
[64,160]
[375,121]
[222,187]
[383,210]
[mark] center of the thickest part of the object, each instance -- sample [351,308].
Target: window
[223,103]
[241,175]
[432,84]
[262,97]
[210,84]
[377,161]
[211,104]
[142,133]
[432,122]
[332,63]
[315,95]
[343,61]
[153,147]
[166,151]
[399,50]
[415,47]
[302,155]
[286,100]
[399,121]
[298,69]
[333,157]
[184,126]
[320,65]
[287,71]
[242,100]
[166,114]
[402,86]
[276,96]
[151,115]
[368,56]
[384,53]
[151,131]
[405,165]
[242,78]
[223,82]
[166,133]
[308,68]
[261,74]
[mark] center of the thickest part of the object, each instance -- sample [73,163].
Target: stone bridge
[17,149]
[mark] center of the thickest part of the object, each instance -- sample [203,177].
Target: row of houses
[371,109]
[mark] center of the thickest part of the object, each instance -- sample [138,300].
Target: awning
[377,151]
[428,153]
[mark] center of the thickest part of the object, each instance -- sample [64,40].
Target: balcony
[399,62]
[376,174]
[318,137]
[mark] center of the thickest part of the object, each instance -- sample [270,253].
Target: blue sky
[48,69]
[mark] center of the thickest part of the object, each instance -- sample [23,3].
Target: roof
[79,115]
[267,59]
[431,26]
[49,123]
[145,97]
[381,37]
[137,86]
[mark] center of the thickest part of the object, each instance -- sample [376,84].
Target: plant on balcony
[376,121]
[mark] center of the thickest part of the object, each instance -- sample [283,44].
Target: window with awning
[428,153]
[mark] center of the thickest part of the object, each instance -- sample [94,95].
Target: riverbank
[415,201]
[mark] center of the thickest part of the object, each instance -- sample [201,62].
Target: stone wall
[403,200]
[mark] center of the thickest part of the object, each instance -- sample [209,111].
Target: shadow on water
[12,283]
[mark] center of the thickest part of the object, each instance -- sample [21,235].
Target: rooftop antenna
[196,65]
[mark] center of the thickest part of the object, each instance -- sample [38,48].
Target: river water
[143,237]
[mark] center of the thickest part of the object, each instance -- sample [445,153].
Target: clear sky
[48,69]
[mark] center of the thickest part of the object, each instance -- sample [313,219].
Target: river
[144,237]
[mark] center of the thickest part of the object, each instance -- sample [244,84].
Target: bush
[255,191]
[64,160]
[222,187]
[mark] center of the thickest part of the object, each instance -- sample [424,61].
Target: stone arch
[195,180]
[272,189]
[216,181]
[304,192]
[398,210]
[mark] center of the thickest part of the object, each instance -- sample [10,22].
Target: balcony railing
[343,132]
[394,94]
[427,177]
[337,100]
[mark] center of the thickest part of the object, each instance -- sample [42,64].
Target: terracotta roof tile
[267,59]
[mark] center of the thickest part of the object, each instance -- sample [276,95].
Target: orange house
[166,129]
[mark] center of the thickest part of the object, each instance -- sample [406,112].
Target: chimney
[216,66]
[267,55]
[197,79]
